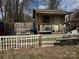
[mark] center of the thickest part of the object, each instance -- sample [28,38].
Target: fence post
[0,44]
[40,40]
[6,43]
[16,42]
[26,42]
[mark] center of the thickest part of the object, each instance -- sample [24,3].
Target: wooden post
[21,42]
[26,41]
[16,42]
[40,40]
[0,44]
[11,44]
[6,43]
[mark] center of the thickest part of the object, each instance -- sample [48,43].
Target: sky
[67,5]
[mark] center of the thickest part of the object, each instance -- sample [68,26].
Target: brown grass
[55,52]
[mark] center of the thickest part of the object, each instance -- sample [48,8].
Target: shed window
[46,19]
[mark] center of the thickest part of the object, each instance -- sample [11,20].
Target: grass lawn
[55,52]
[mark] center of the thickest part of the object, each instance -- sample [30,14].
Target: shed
[49,20]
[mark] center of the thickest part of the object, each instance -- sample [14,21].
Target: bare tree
[1,10]
[53,4]
[13,10]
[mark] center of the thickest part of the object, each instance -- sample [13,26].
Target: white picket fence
[28,41]
[15,42]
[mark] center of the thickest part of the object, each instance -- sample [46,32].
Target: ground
[54,52]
